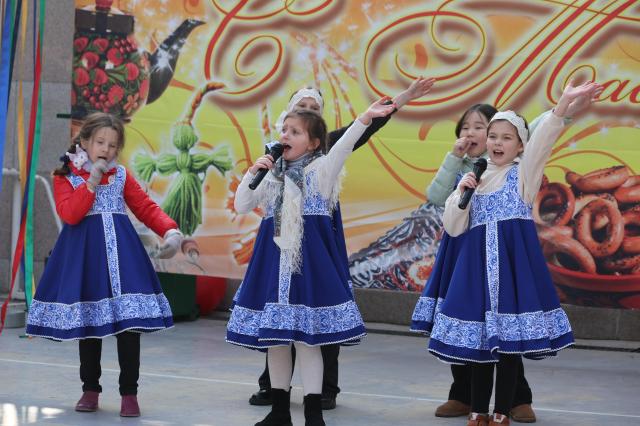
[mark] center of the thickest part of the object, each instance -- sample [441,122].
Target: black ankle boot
[280,414]
[313,410]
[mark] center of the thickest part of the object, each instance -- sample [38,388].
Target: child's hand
[467,181]
[589,91]
[581,103]
[461,147]
[264,162]
[380,108]
[97,170]
[172,241]
[418,88]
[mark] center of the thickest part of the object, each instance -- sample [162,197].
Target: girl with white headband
[310,98]
[470,145]
[498,300]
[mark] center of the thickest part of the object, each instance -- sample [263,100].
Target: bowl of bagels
[589,229]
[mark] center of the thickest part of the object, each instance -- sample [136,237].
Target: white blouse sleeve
[455,220]
[334,160]
[247,199]
[536,154]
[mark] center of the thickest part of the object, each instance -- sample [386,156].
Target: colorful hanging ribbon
[24,244]
[33,155]
[6,67]
[22,162]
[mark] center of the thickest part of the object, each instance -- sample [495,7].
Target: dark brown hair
[91,124]
[314,124]
[484,109]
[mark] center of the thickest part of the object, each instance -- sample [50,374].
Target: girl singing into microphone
[310,98]
[496,301]
[296,288]
[471,145]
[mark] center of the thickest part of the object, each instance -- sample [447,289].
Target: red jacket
[73,205]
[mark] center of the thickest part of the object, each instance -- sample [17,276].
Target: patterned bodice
[314,203]
[503,204]
[109,197]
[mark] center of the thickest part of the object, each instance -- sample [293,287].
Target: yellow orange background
[357,51]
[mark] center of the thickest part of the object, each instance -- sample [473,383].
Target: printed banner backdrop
[203,82]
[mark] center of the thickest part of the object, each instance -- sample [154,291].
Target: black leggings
[461,386]
[482,384]
[128,358]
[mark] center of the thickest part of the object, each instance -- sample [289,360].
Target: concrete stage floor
[190,376]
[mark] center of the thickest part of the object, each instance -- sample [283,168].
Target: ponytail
[64,170]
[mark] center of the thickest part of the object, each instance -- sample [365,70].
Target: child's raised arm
[338,154]
[538,149]
[418,88]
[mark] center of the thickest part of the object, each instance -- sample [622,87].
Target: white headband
[516,121]
[297,97]
[305,93]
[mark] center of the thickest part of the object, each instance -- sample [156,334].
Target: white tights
[311,367]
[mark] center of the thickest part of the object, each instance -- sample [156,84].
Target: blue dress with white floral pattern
[99,280]
[498,296]
[435,289]
[274,306]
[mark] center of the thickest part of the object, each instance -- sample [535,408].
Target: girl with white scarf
[296,289]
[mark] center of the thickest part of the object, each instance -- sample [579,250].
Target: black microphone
[478,169]
[276,151]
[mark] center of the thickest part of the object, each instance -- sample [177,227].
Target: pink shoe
[88,403]
[129,406]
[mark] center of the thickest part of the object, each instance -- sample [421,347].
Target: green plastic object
[180,290]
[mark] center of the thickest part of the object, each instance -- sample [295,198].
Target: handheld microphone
[268,146]
[478,169]
[276,151]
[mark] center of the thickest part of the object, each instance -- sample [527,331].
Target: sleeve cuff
[452,162]
[248,176]
[171,232]
[554,119]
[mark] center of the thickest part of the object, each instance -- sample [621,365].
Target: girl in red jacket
[99,280]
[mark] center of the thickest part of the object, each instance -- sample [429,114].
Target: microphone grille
[481,164]
[276,150]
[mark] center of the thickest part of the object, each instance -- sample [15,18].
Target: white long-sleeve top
[328,167]
[532,162]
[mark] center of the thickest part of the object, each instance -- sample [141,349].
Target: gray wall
[56,86]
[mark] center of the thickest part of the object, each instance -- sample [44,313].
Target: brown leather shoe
[453,408]
[129,406]
[523,413]
[88,402]
[498,420]
[476,419]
